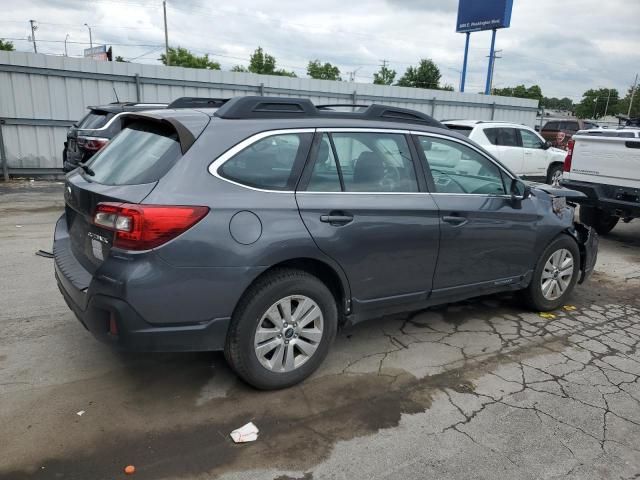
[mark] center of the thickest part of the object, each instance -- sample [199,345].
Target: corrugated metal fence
[42,95]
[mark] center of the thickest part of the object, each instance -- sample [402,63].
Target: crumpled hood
[556,191]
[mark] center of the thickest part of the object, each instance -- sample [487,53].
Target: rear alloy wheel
[555,275]
[282,329]
[555,174]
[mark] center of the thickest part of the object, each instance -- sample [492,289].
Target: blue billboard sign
[476,15]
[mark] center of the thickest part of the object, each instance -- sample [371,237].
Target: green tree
[384,76]
[635,108]
[557,103]
[594,103]
[425,75]
[120,58]
[6,45]
[181,57]
[239,68]
[316,69]
[533,92]
[265,64]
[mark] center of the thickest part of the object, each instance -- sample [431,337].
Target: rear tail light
[143,227]
[569,157]
[92,143]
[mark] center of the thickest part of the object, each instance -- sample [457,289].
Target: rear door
[485,240]
[365,207]
[508,147]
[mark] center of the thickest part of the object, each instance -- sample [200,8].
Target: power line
[87,43]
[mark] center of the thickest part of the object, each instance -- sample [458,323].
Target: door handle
[454,220]
[336,219]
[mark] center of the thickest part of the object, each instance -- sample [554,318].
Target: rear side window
[464,130]
[95,119]
[141,153]
[505,137]
[272,163]
[551,126]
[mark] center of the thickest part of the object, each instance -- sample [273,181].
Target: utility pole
[633,94]
[595,105]
[34,27]
[66,54]
[493,66]
[166,32]
[606,108]
[90,36]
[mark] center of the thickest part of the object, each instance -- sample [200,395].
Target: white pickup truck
[604,164]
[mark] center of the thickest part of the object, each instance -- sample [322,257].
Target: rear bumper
[111,303]
[114,321]
[614,200]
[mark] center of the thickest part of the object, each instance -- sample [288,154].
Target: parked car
[520,148]
[261,227]
[605,165]
[559,132]
[102,123]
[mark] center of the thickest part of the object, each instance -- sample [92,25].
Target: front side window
[141,153]
[457,168]
[269,162]
[530,140]
[366,162]
[504,137]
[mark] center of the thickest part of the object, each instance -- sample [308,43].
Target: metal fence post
[3,155]
[354,97]
[493,111]
[433,106]
[262,89]
[138,95]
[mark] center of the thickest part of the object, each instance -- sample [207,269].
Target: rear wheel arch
[335,281]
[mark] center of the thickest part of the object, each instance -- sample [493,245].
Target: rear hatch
[94,120]
[125,171]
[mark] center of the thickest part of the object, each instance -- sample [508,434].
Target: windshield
[141,153]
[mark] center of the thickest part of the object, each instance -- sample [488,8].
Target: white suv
[518,147]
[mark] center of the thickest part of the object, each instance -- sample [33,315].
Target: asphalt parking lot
[479,389]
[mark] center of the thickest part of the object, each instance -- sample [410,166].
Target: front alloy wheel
[557,274]
[288,333]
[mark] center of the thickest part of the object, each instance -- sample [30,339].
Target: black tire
[239,347]
[553,170]
[532,295]
[598,219]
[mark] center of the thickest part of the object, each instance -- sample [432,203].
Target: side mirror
[547,145]
[519,190]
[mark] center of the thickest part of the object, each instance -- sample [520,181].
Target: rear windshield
[95,119]
[464,130]
[141,153]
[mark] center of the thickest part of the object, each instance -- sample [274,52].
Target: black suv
[102,123]
[261,227]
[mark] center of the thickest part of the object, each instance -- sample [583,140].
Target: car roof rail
[253,107]
[331,106]
[197,102]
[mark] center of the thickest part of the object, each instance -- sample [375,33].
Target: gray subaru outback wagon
[261,227]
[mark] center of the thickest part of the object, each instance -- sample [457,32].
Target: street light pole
[595,105]
[90,36]
[66,54]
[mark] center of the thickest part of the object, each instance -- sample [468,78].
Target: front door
[485,240]
[362,202]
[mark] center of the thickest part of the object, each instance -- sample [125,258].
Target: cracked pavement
[477,389]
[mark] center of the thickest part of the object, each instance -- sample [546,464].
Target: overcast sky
[565,46]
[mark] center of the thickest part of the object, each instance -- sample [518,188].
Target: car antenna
[116,94]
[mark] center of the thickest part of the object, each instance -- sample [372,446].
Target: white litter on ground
[80,413]
[246,433]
